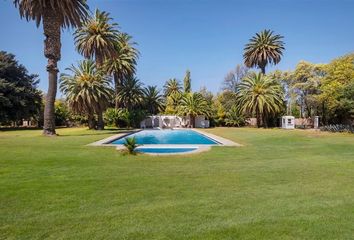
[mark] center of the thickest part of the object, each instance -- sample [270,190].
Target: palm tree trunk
[265,120]
[91,121]
[258,117]
[100,122]
[192,121]
[263,69]
[116,86]
[52,46]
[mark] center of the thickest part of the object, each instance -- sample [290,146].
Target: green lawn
[279,185]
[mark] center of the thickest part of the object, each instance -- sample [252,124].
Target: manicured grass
[280,185]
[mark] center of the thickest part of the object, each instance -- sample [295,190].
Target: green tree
[54,15]
[235,117]
[192,105]
[96,38]
[19,96]
[130,93]
[87,89]
[62,113]
[116,117]
[172,103]
[262,49]
[171,87]
[261,96]
[337,90]
[187,81]
[152,100]
[222,104]
[123,64]
[305,82]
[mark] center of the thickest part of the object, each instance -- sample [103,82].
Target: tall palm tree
[187,82]
[153,100]
[54,15]
[130,93]
[87,89]
[123,64]
[192,105]
[262,49]
[96,39]
[261,96]
[171,87]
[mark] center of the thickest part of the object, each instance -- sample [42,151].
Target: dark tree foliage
[19,97]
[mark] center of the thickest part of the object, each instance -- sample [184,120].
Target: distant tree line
[103,89]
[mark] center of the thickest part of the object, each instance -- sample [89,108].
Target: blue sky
[205,36]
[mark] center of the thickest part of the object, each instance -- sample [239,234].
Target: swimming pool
[172,141]
[168,137]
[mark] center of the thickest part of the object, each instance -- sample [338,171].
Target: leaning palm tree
[87,89]
[123,64]
[96,39]
[54,15]
[262,49]
[261,96]
[192,105]
[130,93]
[171,87]
[153,100]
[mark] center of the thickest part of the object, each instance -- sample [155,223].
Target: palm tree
[171,87]
[260,95]
[192,105]
[87,89]
[54,16]
[172,102]
[152,99]
[123,64]
[130,93]
[96,39]
[187,82]
[262,49]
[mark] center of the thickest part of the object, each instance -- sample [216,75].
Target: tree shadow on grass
[10,129]
[98,132]
[89,132]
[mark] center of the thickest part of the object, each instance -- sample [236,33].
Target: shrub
[234,118]
[134,117]
[123,118]
[115,117]
[130,145]
[338,128]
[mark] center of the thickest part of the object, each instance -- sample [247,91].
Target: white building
[288,122]
[173,121]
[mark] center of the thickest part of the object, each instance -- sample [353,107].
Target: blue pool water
[168,137]
[165,150]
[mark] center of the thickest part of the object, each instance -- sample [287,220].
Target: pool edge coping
[223,141]
[105,142]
